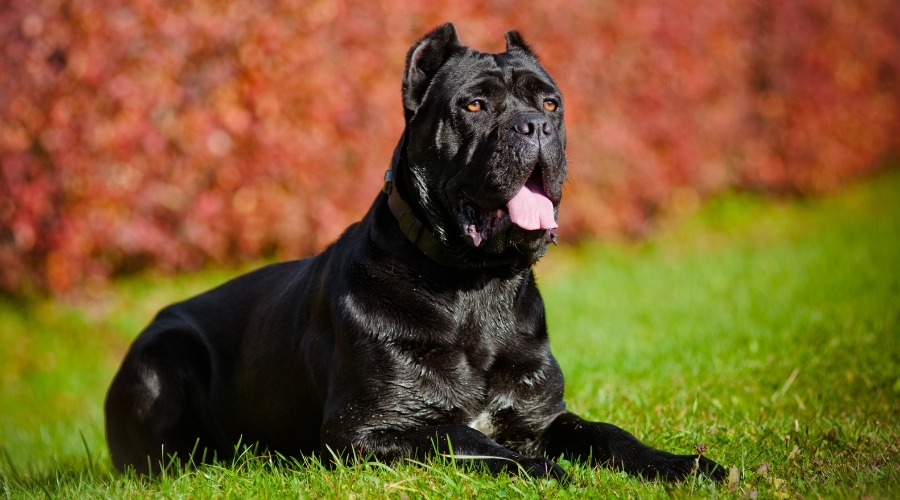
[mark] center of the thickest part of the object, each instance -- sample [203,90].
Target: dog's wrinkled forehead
[439,68]
[477,74]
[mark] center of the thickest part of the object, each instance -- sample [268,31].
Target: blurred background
[168,135]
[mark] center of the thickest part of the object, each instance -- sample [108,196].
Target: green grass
[768,331]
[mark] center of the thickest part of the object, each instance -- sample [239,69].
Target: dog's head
[482,160]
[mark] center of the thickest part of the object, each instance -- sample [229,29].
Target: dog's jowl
[420,330]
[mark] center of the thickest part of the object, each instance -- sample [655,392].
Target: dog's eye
[475,105]
[550,105]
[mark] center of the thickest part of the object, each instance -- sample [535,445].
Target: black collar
[413,228]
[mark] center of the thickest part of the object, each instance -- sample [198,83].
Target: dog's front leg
[459,442]
[605,444]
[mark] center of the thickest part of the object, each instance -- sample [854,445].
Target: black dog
[420,330]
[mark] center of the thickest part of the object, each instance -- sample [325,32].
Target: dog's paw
[712,470]
[675,468]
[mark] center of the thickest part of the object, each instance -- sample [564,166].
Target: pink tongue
[530,208]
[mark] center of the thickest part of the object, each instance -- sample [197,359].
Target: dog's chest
[484,321]
[483,423]
[453,371]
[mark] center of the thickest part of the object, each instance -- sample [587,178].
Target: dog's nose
[534,124]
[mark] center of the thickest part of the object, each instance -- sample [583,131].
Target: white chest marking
[482,423]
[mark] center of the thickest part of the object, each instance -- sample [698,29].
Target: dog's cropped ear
[424,59]
[514,41]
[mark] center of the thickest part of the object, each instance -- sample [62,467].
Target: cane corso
[420,331]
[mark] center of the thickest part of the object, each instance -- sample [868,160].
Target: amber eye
[475,105]
[549,104]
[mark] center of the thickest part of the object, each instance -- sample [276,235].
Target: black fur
[373,348]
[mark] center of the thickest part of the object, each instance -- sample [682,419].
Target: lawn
[767,331]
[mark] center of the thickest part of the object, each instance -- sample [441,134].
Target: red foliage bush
[149,133]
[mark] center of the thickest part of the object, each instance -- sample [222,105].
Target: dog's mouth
[529,212]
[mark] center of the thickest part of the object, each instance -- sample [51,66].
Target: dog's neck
[413,228]
[420,235]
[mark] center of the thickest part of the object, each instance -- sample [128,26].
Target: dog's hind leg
[157,404]
[605,444]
